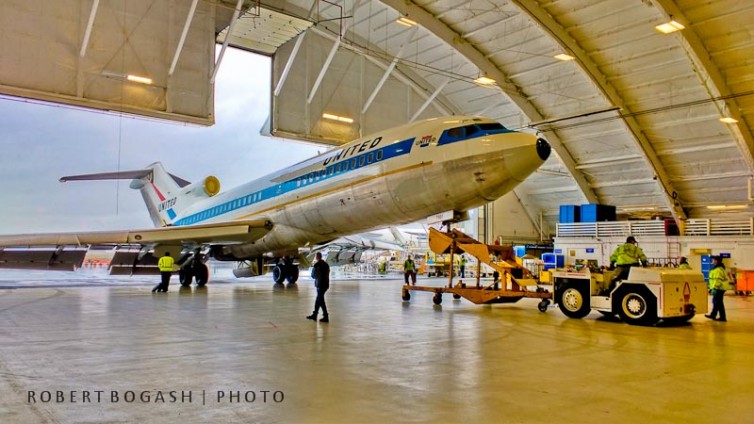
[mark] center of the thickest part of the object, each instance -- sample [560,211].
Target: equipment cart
[515,283]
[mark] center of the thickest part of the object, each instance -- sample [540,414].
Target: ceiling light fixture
[405,21]
[670,27]
[564,57]
[726,207]
[484,80]
[140,80]
[728,120]
[337,118]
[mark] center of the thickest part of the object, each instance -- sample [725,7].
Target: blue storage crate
[519,251]
[552,260]
[569,214]
[594,212]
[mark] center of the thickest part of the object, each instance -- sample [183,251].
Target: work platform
[515,283]
[377,361]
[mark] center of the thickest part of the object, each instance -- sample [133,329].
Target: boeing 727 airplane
[398,176]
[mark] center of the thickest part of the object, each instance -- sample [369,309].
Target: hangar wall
[510,222]
[45,54]
[347,84]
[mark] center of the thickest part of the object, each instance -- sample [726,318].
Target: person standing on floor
[321,276]
[718,284]
[409,270]
[165,264]
[462,266]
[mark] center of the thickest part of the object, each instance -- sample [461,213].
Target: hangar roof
[634,116]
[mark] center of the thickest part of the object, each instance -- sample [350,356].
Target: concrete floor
[378,360]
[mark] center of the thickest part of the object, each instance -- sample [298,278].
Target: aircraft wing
[348,249]
[67,250]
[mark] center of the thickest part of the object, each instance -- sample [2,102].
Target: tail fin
[165,194]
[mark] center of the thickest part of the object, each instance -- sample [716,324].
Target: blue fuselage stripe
[333,169]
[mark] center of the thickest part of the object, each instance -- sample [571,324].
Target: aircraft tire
[184,277]
[406,296]
[292,274]
[278,274]
[201,274]
[437,298]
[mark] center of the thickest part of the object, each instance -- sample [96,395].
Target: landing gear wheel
[184,277]
[437,298]
[543,304]
[638,307]
[292,275]
[456,296]
[573,302]
[278,274]
[201,274]
[406,296]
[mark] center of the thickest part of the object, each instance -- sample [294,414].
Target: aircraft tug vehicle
[645,297]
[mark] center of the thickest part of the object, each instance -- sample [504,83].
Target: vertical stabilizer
[160,193]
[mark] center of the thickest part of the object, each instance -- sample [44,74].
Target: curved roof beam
[712,79]
[456,40]
[404,76]
[541,17]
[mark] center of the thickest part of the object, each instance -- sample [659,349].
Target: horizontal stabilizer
[121,175]
[118,175]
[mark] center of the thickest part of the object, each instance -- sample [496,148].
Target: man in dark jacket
[321,275]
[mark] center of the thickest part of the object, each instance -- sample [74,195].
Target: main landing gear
[285,270]
[195,269]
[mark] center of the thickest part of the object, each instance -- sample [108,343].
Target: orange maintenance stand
[515,284]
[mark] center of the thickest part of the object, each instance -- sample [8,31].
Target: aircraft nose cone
[543,149]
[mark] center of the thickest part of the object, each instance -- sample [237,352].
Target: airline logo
[426,140]
[356,148]
[165,205]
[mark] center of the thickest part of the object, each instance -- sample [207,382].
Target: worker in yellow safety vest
[409,270]
[165,264]
[624,257]
[683,263]
[718,284]
[462,266]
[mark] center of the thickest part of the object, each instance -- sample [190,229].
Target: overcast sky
[41,143]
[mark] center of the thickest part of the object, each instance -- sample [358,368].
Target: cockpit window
[457,132]
[470,131]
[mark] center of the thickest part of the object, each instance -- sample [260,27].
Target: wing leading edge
[66,251]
